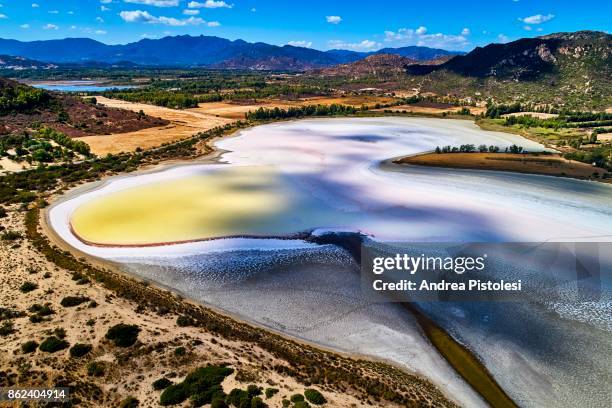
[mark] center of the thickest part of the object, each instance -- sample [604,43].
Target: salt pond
[329,174]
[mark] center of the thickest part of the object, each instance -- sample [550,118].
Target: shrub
[203,385]
[80,349]
[28,287]
[53,344]
[296,398]
[59,332]
[10,236]
[123,335]
[29,346]
[257,402]
[2,212]
[301,404]
[270,392]
[238,398]
[95,369]
[161,384]
[71,301]
[41,310]
[218,402]
[314,396]
[180,351]
[184,321]
[129,402]
[6,328]
[253,390]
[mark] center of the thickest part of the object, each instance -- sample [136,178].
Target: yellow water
[232,201]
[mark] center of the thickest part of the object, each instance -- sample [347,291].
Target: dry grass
[539,115]
[234,110]
[553,165]
[184,123]
[128,371]
[475,110]
[604,137]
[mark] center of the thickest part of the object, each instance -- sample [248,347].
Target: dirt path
[184,123]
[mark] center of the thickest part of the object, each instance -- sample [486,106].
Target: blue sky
[321,24]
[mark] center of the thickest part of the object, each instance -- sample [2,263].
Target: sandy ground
[7,165]
[475,110]
[237,111]
[604,137]
[184,123]
[128,371]
[553,165]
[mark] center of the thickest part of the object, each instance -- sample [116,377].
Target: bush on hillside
[123,335]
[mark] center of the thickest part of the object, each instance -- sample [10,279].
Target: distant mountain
[206,51]
[413,52]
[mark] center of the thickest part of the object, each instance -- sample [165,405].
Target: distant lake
[78,86]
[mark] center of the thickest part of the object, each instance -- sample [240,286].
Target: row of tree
[296,112]
[470,148]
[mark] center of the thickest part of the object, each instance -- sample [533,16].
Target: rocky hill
[23,107]
[530,58]
[378,65]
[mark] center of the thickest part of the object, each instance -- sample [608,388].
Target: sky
[321,24]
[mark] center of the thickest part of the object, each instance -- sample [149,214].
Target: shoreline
[212,156]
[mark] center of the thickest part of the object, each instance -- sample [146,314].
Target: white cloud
[465,32]
[421,30]
[419,36]
[155,3]
[139,16]
[503,38]
[527,28]
[537,18]
[3,16]
[301,43]
[213,24]
[189,12]
[209,4]
[25,26]
[365,45]
[333,19]
[106,1]
[253,10]
[35,5]
[99,19]
[100,32]
[50,27]
[71,13]
[104,8]
[53,12]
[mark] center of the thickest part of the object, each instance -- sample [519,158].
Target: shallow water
[329,174]
[79,86]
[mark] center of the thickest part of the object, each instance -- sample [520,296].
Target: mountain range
[205,51]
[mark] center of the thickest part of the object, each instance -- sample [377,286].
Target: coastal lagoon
[288,179]
[78,86]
